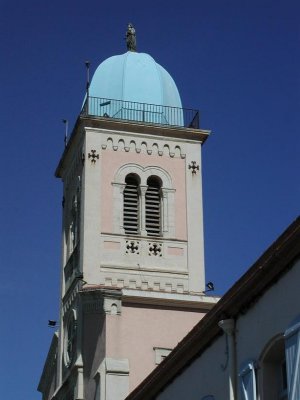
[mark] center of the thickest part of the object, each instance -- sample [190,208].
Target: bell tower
[132,184]
[132,253]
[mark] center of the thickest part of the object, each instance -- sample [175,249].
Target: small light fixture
[79,276]
[210,287]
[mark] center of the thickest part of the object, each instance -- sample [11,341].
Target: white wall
[268,317]
[200,378]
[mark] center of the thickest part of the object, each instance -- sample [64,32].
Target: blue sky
[235,60]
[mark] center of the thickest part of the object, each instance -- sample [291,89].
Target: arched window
[153,206]
[70,337]
[273,370]
[131,205]
[144,202]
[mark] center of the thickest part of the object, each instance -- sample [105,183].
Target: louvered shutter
[248,382]
[131,206]
[153,209]
[292,350]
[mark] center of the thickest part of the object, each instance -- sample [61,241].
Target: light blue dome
[135,77]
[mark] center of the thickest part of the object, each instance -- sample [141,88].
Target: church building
[132,271]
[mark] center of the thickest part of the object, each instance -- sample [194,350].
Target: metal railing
[141,112]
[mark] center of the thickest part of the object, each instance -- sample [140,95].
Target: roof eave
[276,260]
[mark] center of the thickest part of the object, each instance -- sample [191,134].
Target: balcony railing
[141,112]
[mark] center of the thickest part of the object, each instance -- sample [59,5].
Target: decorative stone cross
[194,167]
[132,247]
[94,156]
[155,249]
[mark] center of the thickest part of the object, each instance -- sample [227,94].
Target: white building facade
[248,346]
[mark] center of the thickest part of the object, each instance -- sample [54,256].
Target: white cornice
[194,301]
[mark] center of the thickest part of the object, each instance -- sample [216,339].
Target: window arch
[72,223]
[144,201]
[70,337]
[153,206]
[273,370]
[131,205]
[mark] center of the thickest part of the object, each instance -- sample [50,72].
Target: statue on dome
[130,38]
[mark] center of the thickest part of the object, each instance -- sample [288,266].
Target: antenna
[87,64]
[66,122]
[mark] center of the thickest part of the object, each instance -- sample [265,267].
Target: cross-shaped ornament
[93,156]
[155,249]
[194,167]
[132,247]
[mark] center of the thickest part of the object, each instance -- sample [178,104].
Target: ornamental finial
[130,38]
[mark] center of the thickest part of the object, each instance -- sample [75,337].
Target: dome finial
[130,38]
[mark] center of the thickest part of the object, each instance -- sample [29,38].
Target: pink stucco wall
[113,160]
[93,349]
[135,333]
